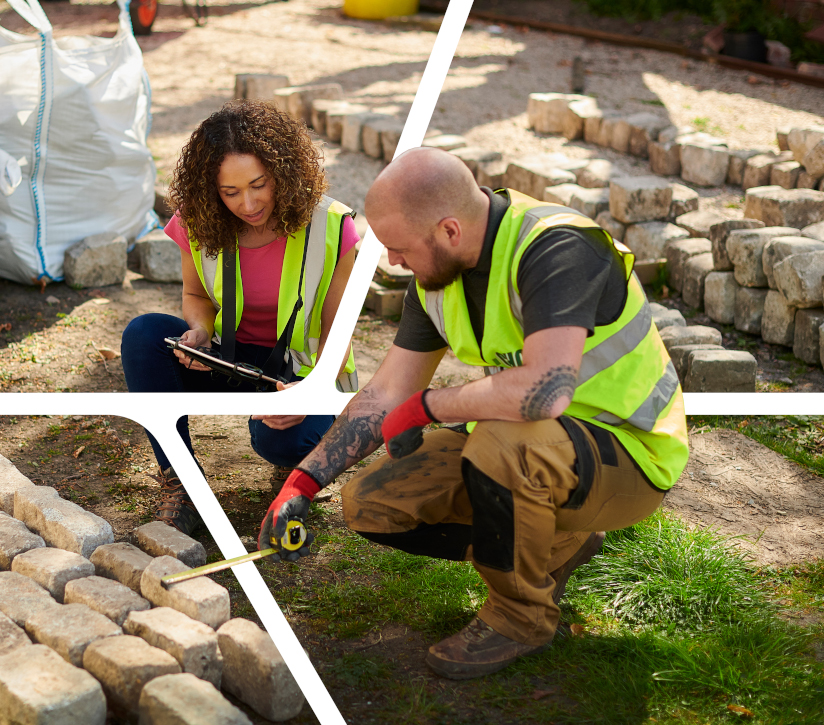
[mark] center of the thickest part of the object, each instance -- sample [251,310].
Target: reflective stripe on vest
[626,383]
[321,258]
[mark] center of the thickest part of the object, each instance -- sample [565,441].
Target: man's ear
[452,229]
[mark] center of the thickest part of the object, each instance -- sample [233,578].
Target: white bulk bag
[74,114]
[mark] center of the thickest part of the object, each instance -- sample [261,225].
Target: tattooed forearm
[548,389]
[352,437]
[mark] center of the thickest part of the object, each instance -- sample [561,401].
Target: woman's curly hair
[292,162]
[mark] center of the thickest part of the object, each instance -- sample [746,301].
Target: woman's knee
[290,446]
[150,330]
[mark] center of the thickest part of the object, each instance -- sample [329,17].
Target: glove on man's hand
[403,428]
[292,502]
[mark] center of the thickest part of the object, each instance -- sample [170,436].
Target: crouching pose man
[578,428]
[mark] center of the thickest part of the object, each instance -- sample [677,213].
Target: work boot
[279,476]
[475,651]
[176,508]
[561,575]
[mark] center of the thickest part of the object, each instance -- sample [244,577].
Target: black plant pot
[747,46]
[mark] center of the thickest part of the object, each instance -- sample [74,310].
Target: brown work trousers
[536,463]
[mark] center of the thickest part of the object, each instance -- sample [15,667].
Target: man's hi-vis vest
[626,384]
[321,257]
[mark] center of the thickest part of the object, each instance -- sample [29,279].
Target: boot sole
[469,670]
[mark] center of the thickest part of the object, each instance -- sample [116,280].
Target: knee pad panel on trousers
[493,519]
[439,541]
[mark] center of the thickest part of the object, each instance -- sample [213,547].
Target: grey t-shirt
[567,276]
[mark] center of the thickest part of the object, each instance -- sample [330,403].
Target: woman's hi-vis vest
[626,384]
[321,258]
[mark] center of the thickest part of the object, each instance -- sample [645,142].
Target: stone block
[159,539]
[185,700]
[814,160]
[671,133]
[684,201]
[639,198]
[781,138]
[122,562]
[590,201]
[258,86]
[814,231]
[606,128]
[492,174]
[159,257]
[719,297]
[335,118]
[255,672]
[802,139]
[695,271]
[779,248]
[597,174]
[738,162]
[69,629]
[10,480]
[720,371]
[778,207]
[698,223]
[390,138]
[96,261]
[352,129]
[575,116]
[718,236]
[123,665]
[561,194]
[665,317]
[22,598]
[798,278]
[320,109]
[555,177]
[745,248]
[785,174]
[778,322]
[38,687]
[644,129]
[52,568]
[678,253]
[592,126]
[545,111]
[749,309]
[620,135]
[106,596]
[665,158]
[690,335]
[193,644]
[297,100]
[61,523]
[611,225]
[680,355]
[757,170]
[704,165]
[15,539]
[807,336]
[200,598]
[806,180]
[445,142]
[649,240]
[531,174]
[472,156]
[11,636]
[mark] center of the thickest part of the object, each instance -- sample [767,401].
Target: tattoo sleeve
[552,385]
[352,437]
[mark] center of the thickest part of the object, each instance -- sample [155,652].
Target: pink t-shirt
[260,270]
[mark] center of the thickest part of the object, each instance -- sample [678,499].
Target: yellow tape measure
[294,538]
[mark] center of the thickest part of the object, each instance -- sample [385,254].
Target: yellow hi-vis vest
[627,383]
[321,257]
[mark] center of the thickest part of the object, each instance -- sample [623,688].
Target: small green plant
[701,124]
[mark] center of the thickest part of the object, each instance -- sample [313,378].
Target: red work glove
[292,502]
[403,428]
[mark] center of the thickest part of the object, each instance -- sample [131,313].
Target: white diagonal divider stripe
[158,413]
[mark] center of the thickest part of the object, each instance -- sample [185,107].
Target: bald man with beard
[577,428]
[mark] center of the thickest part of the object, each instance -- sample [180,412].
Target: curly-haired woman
[249,194]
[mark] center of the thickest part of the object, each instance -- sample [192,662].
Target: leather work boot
[588,549]
[279,476]
[176,508]
[475,651]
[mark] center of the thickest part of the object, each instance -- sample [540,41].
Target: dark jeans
[151,367]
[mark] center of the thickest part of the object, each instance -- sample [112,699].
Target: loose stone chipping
[61,523]
[201,598]
[185,700]
[720,289]
[664,317]
[159,257]
[720,371]
[745,248]
[704,165]
[69,628]
[255,672]
[649,240]
[123,665]
[779,207]
[691,335]
[798,278]
[698,223]
[778,322]
[108,597]
[807,337]
[639,198]
[96,261]
[677,255]
[21,598]
[52,569]
[193,644]
[15,539]
[680,357]
[37,687]
[158,539]
[122,562]
[779,248]
[749,309]
[11,636]
[696,270]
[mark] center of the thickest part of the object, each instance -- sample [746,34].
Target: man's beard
[446,268]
